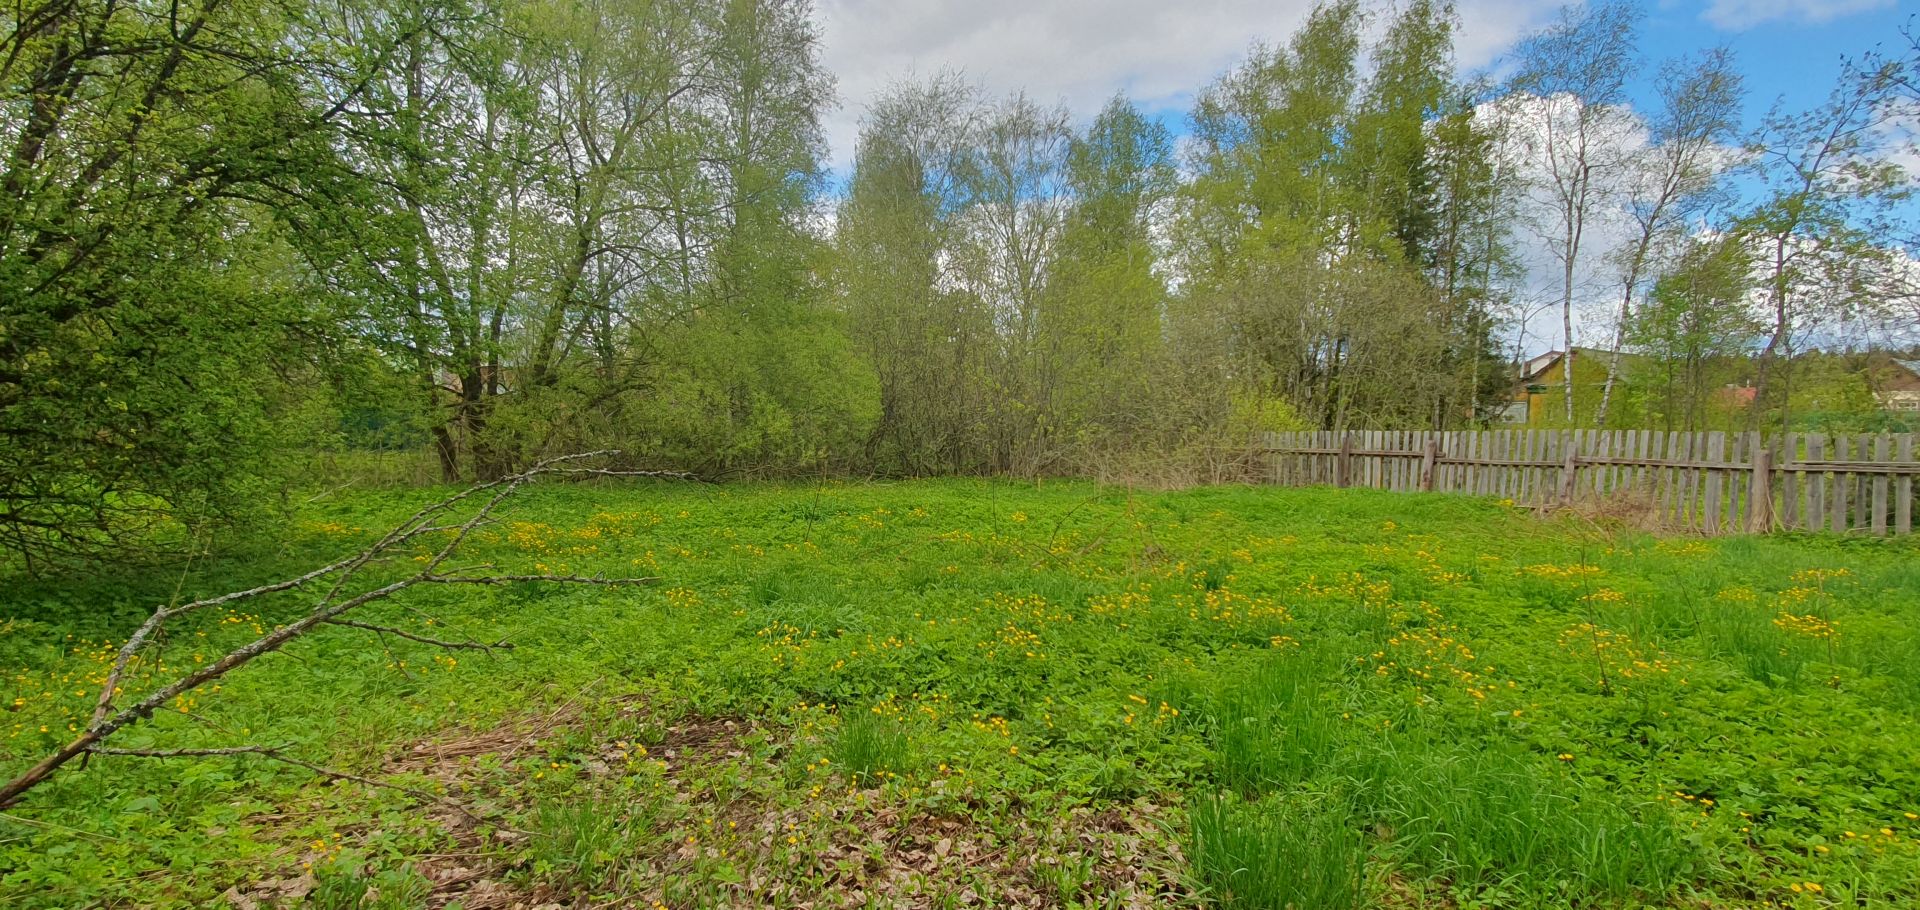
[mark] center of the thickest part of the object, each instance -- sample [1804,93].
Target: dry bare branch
[610,472]
[188,753]
[274,753]
[432,519]
[502,645]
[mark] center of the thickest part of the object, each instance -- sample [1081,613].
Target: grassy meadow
[965,693]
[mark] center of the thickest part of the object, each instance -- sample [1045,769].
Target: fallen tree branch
[611,472]
[502,644]
[336,774]
[437,518]
[513,579]
[274,753]
[188,753]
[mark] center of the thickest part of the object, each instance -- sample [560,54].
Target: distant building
[1539,394]
[501,382]
[1735,397]
[1896,384]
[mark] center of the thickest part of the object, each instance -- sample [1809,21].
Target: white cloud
[1080,52]
[1627,167]
[1083,51]
[1737,15]
[1615,143]
[1901,137]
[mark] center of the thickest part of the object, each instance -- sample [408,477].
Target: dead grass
[836,846]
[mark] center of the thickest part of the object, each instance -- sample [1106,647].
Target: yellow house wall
[1548,408]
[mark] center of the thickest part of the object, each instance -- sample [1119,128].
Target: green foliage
[148,349]
[577,843]
[1100,346]
[1830,191]
[1829,393]
[1751,641]
[342,885]
[486,231]
[871,747]
[1695,330]
[459,229]
[736,394]
[1252,415]
[1340,252]
[1273,726]
[1490,821]
[1412,682]
[1277,853]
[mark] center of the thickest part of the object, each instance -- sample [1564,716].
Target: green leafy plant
[1277,853]
[577,843]
[1272,726]
[869,746]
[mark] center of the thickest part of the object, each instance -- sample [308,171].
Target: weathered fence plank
[1903,498]
[1713,481]
[1881,453]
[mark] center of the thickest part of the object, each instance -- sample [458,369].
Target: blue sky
[1795,57]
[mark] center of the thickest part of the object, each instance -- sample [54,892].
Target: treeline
[233,232]
[1326,252]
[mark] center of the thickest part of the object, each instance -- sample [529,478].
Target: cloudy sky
[1081,52]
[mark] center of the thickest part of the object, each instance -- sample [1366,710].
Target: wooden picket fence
[1712,482]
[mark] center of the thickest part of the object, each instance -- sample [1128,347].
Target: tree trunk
[449,452]
[1763,365]
[1613,358]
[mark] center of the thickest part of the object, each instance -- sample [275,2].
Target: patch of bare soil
[828,847]
[478,838]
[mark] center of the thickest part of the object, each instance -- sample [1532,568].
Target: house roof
[1895,374]
[1543,362]
[1538,364]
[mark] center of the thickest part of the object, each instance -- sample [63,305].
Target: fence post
[1567,471]
[1427,464]
[1343,469]
[1760,491]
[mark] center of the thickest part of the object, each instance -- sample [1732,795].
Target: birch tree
[1687,151]
[1576,72]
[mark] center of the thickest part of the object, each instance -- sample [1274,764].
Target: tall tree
[930,342]
[1331,220]
[1696,329]
[1100,325]
[1390,159]
[1571,85]
[555,199]
[1267,143]
[1470,260]
[148,318]
[1426,169]
[1697,119]
[1829,191]
[1014,178]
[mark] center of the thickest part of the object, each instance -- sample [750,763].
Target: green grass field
[963,693]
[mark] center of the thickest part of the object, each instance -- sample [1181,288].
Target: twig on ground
[274,753]
[502,644]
